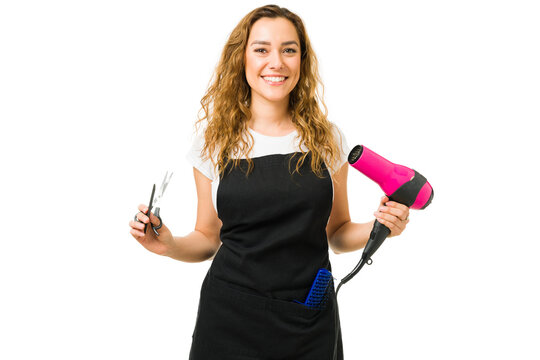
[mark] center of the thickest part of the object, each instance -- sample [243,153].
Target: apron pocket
[232,322]
[261,302]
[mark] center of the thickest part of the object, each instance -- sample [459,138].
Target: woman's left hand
[393,215]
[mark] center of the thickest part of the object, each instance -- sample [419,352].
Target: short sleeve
[194,157]
[342,145]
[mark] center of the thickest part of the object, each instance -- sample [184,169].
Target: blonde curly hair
[226,104]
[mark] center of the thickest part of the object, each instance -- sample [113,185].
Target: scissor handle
[157,227]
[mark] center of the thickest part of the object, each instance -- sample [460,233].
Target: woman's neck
[272,118]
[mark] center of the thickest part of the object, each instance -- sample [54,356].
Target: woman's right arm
[202,243]
[199,245]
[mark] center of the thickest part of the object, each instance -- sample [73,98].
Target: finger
[400,226]
[390,225]
[394,229]
[136,225]
[138,235]
[141,217]
[400,213]
[395,225]
[145,219]
[386,219]
[143,208]
[404,209]
[154,219]
[394,218]
[397,205]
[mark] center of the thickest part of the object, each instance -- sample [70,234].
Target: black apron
[273,243]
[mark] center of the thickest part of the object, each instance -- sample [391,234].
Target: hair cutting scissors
[155,203]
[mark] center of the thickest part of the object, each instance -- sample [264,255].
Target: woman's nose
[275,61]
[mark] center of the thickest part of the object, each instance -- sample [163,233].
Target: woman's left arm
[346,236]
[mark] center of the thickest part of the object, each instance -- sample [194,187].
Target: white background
[98,99]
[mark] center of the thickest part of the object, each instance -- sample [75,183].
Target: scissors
[155,203]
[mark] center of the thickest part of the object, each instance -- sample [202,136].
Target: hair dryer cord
[357,268]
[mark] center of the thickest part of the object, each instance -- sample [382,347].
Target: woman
[271,177]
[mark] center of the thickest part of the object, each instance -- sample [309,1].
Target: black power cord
[357,268]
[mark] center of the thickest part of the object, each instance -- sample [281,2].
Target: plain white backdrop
[98,99]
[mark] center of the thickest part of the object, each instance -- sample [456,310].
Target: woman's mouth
[274,80]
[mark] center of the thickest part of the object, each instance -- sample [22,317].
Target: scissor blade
[151,202]
[165,182]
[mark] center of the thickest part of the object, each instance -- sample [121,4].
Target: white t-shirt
[263,145]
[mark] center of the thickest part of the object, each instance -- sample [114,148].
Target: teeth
[275,79]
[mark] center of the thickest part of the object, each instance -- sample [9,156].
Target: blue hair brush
[318,295]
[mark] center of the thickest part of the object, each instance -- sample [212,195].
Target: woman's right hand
[161,244]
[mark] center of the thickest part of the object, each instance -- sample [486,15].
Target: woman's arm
[346,236]
[202,243]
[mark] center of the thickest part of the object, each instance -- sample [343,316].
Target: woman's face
[273,48]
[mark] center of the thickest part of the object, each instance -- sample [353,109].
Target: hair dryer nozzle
[355,154]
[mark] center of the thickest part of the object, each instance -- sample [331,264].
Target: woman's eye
[287,50]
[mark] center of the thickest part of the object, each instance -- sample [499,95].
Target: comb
[318,294]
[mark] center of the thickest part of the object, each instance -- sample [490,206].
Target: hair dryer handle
[378,234]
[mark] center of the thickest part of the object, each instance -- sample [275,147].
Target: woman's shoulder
[342,144]
[339,135]
[196,158]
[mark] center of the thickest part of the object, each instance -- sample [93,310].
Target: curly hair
[226,103]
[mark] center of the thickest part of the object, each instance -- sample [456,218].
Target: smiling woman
[272,62]
[273,223]
[271,176]
[267,80]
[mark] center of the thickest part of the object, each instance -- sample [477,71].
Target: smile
[274,80]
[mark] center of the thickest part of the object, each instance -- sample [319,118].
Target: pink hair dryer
[399,183]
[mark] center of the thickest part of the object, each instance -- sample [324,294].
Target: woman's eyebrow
[268,43]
